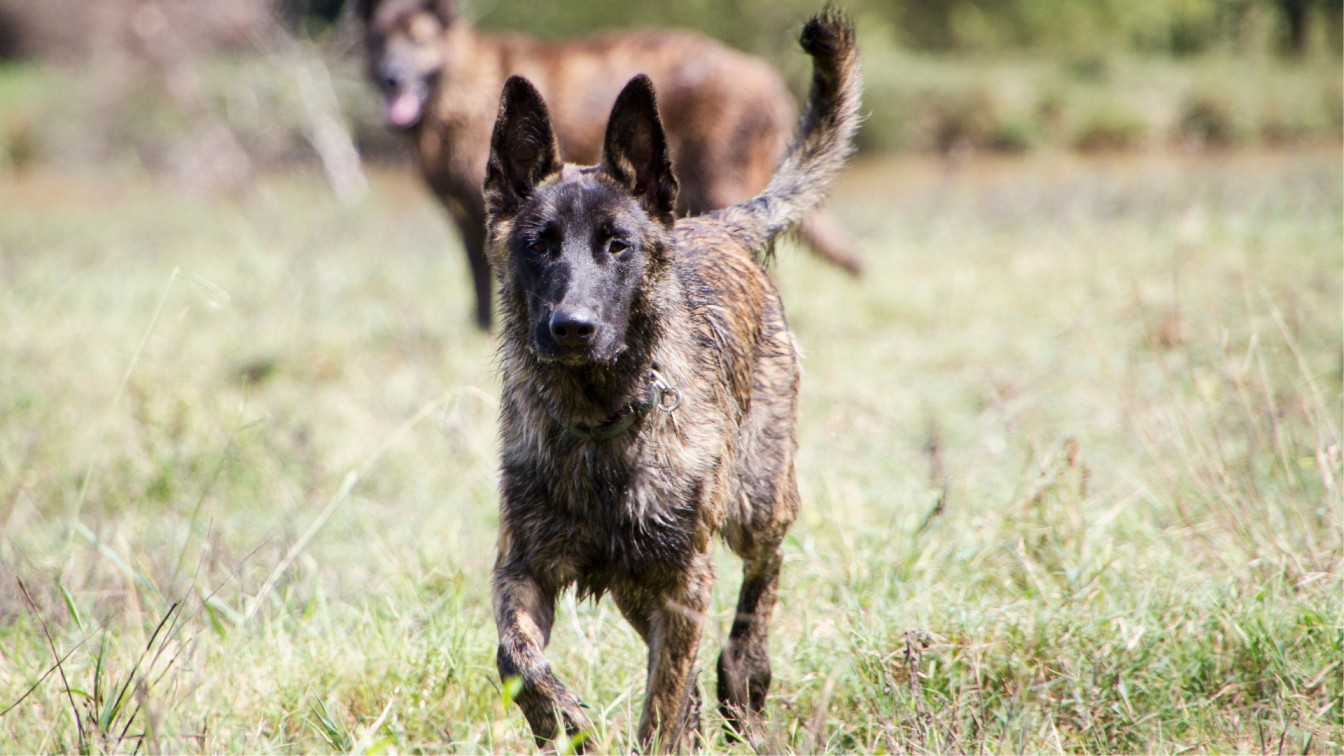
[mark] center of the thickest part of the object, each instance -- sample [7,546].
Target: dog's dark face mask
[578,245]
[404,57]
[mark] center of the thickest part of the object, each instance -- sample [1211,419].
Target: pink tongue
[401,109]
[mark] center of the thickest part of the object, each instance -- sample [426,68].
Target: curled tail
[824,137]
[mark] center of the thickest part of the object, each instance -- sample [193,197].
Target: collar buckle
[662,396]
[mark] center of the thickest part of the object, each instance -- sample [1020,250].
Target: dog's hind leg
[524,613]
[744,663]
[769,503]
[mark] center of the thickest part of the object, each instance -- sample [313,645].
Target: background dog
[650,391]
[728,116]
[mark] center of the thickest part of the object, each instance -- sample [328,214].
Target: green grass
[1070,458]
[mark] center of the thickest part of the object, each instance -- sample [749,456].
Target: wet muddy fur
[727,115]
[650,392]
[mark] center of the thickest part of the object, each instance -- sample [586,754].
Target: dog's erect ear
[634,150]
[523,148]
[444,10]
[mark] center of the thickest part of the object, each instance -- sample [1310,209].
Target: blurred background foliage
[208,93]
[975,27]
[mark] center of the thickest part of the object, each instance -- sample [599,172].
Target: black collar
[658,391]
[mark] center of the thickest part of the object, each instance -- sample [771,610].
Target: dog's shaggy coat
[650,391]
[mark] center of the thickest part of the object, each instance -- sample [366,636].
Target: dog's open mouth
[403,105]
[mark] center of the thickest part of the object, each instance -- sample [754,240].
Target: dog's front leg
[524,612]
[672,701]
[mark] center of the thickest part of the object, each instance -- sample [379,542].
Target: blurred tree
[1295,18]
[1300,16]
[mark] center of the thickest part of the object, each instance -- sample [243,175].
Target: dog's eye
[539,247]
[617,246]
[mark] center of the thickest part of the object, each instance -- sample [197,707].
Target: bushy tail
[823,139]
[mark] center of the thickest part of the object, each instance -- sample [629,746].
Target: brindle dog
[727,115]
[650,391]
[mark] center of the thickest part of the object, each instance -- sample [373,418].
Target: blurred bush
[1209,118]
[1108,127]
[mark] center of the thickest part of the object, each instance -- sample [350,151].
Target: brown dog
[727,115]
[650,391]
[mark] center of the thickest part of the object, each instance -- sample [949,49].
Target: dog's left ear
[523,148]
[634,150]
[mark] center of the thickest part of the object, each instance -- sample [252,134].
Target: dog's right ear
[523,148]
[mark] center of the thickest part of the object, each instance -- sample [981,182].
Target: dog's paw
[578,728]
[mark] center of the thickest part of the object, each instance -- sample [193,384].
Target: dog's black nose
[573,327]
[389,77]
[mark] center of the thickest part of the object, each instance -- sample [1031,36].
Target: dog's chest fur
[631,509]
[636,508]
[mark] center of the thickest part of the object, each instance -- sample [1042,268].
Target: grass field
[1070,460]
